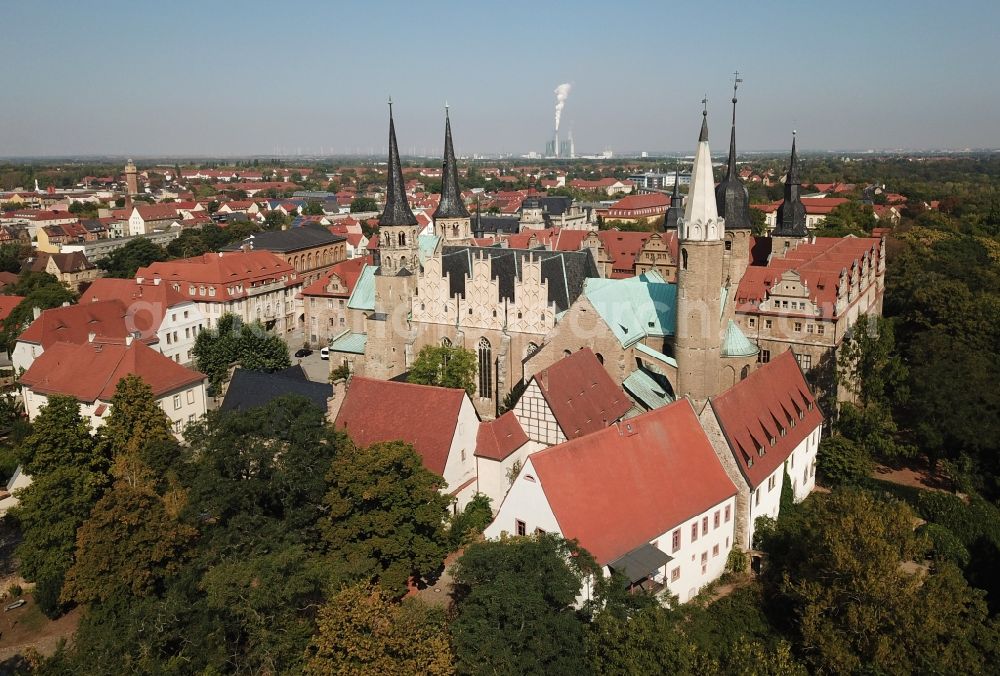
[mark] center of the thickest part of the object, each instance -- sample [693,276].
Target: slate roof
[617,489]
[565,271]
[293,239]
[397,209]
[755,410]
[554,206]
[582,396]
[250,389]
[451,205]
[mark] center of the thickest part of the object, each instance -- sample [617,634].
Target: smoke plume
[562,93]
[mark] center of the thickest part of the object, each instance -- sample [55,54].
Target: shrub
[946,546]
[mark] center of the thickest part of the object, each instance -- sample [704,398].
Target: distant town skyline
[205,79]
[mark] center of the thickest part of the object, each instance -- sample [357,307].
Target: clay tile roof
[348,271]
[7,304]
[642,201]
[498,438]
[619,488]
[74,323]
[91,371]
[384,410]
[756,409]
[582,396]
[622,247]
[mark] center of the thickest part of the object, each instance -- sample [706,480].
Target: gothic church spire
[731,196]
[792,213]
[451,204]
[397,209]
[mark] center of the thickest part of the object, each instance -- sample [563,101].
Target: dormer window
[773,441]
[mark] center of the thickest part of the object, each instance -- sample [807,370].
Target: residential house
[311,249]
[325,302]
[441,424]
[647,497]
[72,269]
[90,372]
[156,311]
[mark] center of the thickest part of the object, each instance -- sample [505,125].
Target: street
[316,369]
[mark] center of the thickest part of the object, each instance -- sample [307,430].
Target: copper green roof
[353,343]
[634,308]
[363,296]
[735,344]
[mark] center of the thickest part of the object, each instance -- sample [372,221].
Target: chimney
[334,403]
[128,339]
[65,303]
[91,336]
[36,312]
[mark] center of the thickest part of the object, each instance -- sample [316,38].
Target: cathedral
[719,302]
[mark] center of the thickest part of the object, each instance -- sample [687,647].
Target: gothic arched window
[745,372]
[684,259]
[485,368]
[402,239]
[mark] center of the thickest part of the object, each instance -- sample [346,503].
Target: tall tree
[445,366]
[386,516]
[129,542]
[837,567]
[515,600]
[138,253]
[136,421]
[361,631]
[69,475]
[251,345]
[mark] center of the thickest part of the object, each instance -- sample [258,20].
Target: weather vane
[704,102]
[737,80]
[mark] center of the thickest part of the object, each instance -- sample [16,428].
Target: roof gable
[581,395]
[619,488]
[766,415]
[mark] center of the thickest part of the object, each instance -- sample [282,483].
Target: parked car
[304,352]
[324,353]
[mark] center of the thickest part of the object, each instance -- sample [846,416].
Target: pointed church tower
[791,227]
[395,278]
[451,219]
[397,226]
[698,338]
[676,208]
[733,203]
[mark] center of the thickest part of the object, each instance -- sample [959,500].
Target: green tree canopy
[838,565]
[137,253]
[232,341]
[515,601]
[445,366]
[361,631]
[129,542]
[363,204]
[386,516]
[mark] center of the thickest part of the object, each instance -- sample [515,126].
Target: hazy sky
[212,77]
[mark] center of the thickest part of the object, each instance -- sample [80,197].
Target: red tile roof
[7,304]
[74,323]
[498,438]
[384,410]
[582,396]
[146,303]
[650,200]
[91,371]
[819,262]
[622,247]
[619,488]
[755,410]
[221,271]
[348,271]
[157,212]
